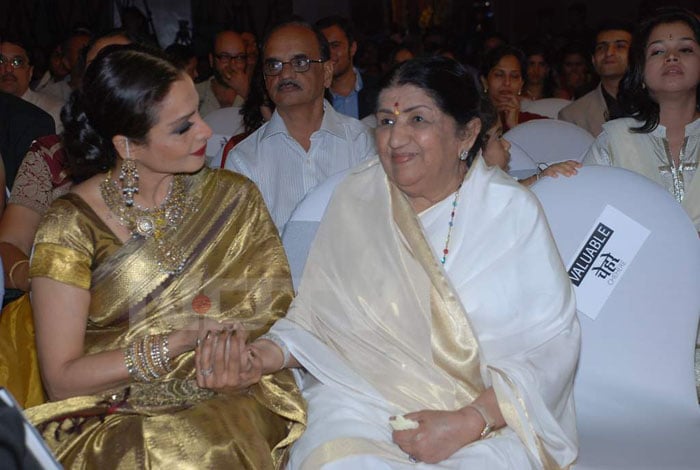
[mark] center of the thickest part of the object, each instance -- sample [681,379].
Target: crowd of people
[434,323]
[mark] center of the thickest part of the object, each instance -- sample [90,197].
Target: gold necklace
[159,223]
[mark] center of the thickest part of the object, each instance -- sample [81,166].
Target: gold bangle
[12,271]
[489,423]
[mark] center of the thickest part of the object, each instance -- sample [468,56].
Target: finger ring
[206,372]
[412,459]
[197,342]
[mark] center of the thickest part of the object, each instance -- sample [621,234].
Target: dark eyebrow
[177,121]
[680,39]
[408,110]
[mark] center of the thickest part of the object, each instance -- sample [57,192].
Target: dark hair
[537,48]
[447,82]
[611,25]
[339,21]
[22,42]
[494,56]
[257,97]
[634,97]
[179,54]
[121,94]
[323,46]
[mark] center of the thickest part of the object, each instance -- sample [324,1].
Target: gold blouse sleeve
[64,246]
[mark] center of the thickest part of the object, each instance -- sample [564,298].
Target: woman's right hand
[225,363]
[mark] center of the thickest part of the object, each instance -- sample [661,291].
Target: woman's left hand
[224,363]
[439,434]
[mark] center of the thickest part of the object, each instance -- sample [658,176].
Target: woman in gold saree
[148,255]
[433,291]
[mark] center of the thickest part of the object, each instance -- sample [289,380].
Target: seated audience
[229,84]
[610,57]
[660,94]
[22,122]
[502,79]
[575,77]
[148,255]
[434,294]
[16,68]
[496,149]
[539,79]
[306,140]
[352,93]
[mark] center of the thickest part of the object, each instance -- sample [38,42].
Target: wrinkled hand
[439,434]
[224,363]
[567,168]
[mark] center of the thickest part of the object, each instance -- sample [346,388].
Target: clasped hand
[224,362]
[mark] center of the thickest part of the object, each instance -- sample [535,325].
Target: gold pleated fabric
[235,260]
[19,367]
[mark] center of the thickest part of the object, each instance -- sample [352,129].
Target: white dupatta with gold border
[383,329]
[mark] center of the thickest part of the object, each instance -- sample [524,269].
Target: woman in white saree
[434,291]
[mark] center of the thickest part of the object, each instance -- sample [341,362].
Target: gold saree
[235,269]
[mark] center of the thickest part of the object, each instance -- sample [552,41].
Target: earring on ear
[129,177]
[520,92]
[463,155]
[644,86]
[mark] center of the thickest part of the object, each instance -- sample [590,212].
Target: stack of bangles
[147,358]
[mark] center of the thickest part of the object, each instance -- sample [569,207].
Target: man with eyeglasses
[230,83]
[306,140]
[610,57]
[15,74]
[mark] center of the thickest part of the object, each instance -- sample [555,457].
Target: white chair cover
[549,107]
[301,228]
[550,140]
[521,164]
[635,387]
[224,123]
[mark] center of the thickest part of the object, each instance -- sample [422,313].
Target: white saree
[382,328]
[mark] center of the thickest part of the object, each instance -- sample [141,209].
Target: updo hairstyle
[121,94]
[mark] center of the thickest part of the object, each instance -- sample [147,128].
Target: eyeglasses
[16,62]
[238,58]
[299,64]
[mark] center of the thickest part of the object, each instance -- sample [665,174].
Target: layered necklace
[159,223]
[455,201]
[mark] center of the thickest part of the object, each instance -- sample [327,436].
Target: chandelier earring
[129,177]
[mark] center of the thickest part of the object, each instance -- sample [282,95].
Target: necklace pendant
[145,226]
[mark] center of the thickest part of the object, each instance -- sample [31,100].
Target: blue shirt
[348,105]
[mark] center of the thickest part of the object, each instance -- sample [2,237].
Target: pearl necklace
[446,250]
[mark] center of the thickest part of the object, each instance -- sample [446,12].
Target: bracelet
[12,271]
[147,359]
[286,355]
[490,423]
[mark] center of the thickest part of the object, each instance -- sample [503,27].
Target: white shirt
[285,172]
[48,103]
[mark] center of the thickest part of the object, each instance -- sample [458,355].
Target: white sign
[603,257]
